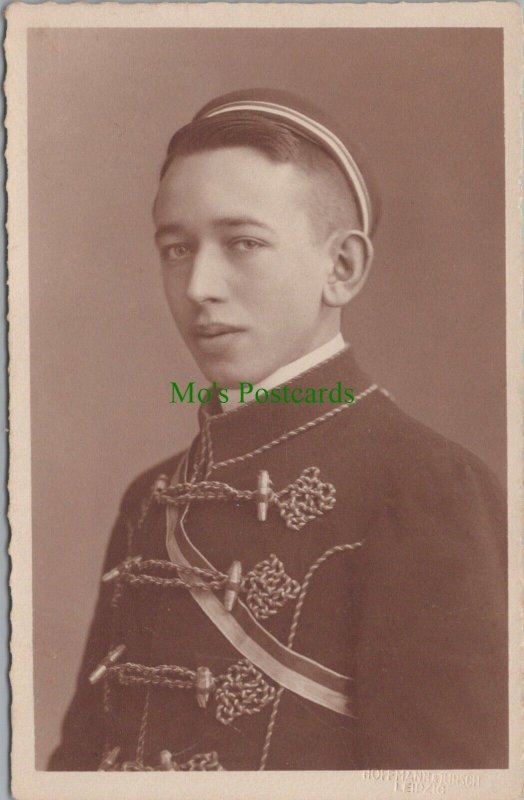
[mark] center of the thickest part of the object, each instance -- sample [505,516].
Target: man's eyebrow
[164,229]
[221,222]
[233,222]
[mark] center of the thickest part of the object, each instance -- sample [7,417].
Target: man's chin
[225,379]
[229,375]
[225,376]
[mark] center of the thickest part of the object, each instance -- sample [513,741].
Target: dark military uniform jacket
[361,625]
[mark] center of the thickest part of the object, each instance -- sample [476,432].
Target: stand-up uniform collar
[285,374]
[254,424]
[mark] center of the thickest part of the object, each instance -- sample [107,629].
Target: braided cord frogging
[308,497]
[292,633]
[204,462]
[298,503]
[208,578]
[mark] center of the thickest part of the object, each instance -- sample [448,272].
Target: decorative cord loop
[267,587]
[202,762]
[308,497]
[241,690]
[184,493]
[169,676]
[303,500]
[134,571]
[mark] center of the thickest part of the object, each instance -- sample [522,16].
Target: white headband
[327,137]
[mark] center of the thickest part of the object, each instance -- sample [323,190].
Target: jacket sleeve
[432,663]
[83,731]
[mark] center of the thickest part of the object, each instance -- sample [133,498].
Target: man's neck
[290,371]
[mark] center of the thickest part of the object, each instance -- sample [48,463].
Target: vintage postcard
[265,400]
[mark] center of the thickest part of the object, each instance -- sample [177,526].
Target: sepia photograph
[265,478]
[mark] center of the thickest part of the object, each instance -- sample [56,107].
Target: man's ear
[351,256]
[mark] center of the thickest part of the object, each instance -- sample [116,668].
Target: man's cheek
[182,319]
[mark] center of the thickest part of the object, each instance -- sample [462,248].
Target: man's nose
[207,277]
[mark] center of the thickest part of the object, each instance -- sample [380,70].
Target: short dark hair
[333,202]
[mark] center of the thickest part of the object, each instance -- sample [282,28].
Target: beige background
[427,105]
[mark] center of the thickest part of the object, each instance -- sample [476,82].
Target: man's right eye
[175,252]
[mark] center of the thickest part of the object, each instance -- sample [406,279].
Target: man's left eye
[246,244]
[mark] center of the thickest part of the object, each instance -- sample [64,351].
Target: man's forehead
[229,163]
[230,177]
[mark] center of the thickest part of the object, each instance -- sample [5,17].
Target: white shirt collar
[290,371]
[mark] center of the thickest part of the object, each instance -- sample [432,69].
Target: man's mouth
[214,337]
[211,330]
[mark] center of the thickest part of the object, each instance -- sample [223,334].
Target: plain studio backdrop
[429,326]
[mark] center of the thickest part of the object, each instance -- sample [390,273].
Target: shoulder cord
[292,632]
[206,448]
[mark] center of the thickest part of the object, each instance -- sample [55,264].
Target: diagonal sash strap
[289,669]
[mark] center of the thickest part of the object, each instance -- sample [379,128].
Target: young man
[319,582]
